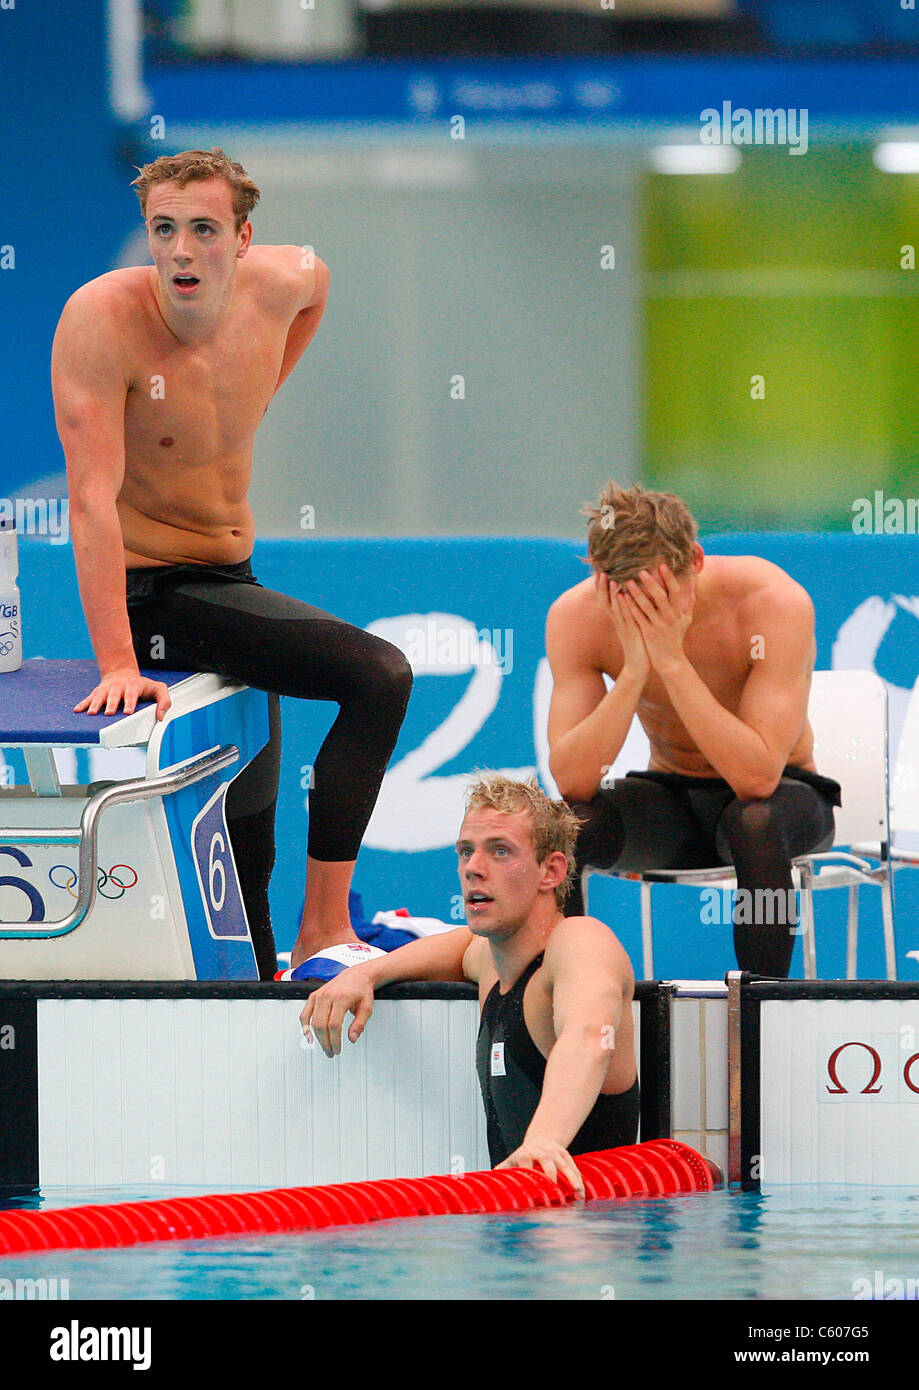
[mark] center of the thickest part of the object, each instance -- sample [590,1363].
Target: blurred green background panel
[782,338]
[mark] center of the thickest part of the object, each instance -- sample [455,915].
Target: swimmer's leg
[761,838]
[635,824]
[276,643]
[252,795]
[250,809]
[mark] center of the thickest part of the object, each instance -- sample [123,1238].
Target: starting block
[131,879]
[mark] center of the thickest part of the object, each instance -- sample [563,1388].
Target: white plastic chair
[848,714]
[904,797]
[904,790]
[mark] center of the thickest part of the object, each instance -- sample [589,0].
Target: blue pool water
[795,1243]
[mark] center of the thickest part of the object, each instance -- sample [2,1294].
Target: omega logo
[875,1085]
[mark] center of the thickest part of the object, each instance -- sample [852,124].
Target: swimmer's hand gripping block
[657,1168]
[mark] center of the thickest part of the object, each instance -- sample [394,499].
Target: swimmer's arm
[590,979]
[310,308]
[89,386]
[750,749]
[437,957]
[587,724]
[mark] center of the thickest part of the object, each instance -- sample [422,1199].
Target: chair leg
[647,932]
[890,946]
[806,921]
[852,934]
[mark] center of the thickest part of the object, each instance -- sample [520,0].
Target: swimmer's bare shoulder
[578,634]
[763,582]
[475,958]
[581,646]
[285,278]
[573,603]
[578,594]
[92,367]
[768,599]
[283,282]
[291,285]
[113,290]
[587,983]
[99,320]
[590,945]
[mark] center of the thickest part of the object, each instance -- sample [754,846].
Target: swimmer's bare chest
[191,415]
[719,653]
[672,749]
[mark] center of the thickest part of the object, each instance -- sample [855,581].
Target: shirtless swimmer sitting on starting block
[161,375]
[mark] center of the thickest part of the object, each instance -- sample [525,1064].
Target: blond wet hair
[553,825]
[630,529]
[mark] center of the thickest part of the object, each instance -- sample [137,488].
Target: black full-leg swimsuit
[661,820]
[512,1090]
[219,618]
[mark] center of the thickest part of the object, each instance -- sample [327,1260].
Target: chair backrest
[848,714]
[904,781]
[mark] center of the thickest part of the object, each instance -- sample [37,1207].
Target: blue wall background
[66,205]
[507,585]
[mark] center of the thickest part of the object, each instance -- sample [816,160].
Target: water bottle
[10,618]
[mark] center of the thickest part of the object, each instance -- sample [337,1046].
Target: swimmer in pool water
[714,654]
[555,1052]
[161,376]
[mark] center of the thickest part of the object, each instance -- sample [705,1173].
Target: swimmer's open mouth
[478,899]
[185,282]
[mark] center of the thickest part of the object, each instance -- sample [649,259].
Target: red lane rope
[657,1168]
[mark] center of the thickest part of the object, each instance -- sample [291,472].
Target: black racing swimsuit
[664,820]
[511,1070]
[219,618]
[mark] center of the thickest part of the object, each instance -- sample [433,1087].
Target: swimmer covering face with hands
[713,655]
[555,1052]
[161,376]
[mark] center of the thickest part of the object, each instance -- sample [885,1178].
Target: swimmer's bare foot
[311,942]
[325,921]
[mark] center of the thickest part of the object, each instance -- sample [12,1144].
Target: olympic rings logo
[105,880]
[6,648]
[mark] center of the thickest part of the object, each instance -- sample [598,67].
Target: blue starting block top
[36,703]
